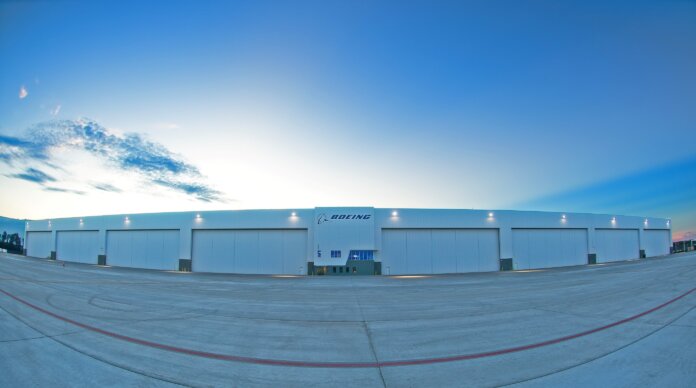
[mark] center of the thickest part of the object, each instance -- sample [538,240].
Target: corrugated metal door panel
[468,251]
[444,251]
[213,251]
[247,250]
[558,248]
[139,249]
[488,250]
[201,246]
[92,245]
[419,251]
[294,251]
[657,242]
[154,249]
[65,245]
[577,239]
[171,249]
[222,254]
[616,244]
[271,252]
[393,253]
[161,250]
[152,252]
[538,249]
[118,248]
[520,249]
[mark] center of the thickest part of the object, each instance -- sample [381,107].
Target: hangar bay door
[151,249]
[81,246]
[250,251]
[431,251]
[616,244]
[656,242]
[39,244]
[544,248]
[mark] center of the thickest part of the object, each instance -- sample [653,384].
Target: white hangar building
[349,240]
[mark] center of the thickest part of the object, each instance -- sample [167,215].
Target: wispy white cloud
[63,190]
[23,92]
[56,110]
[153,162]
[106,187]
[33,175]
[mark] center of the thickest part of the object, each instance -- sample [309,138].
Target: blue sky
[125,107]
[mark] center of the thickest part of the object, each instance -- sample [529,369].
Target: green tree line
[11,242]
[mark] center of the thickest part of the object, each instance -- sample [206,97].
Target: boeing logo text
[351,216]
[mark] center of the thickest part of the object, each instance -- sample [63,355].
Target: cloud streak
[13,148]
[33,175]
[106,187]
[200,191]
[631,194]
[130,152]
[63,190]
[664,191]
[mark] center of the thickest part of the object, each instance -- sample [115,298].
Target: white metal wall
[79,246]
[39,244]
[543,248]
[616,244]
[254,251]
[152,249]
[656,242]
[654,235]
[424,251]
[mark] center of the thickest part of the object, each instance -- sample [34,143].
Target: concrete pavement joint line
[40,337]
[670,323]
[319,364]
[99,359]
[368,334]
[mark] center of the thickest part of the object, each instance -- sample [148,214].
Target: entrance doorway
[351,268]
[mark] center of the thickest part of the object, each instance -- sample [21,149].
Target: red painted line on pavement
[326,364]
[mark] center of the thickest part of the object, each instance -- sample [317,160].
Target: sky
[11,226]
[147,106]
